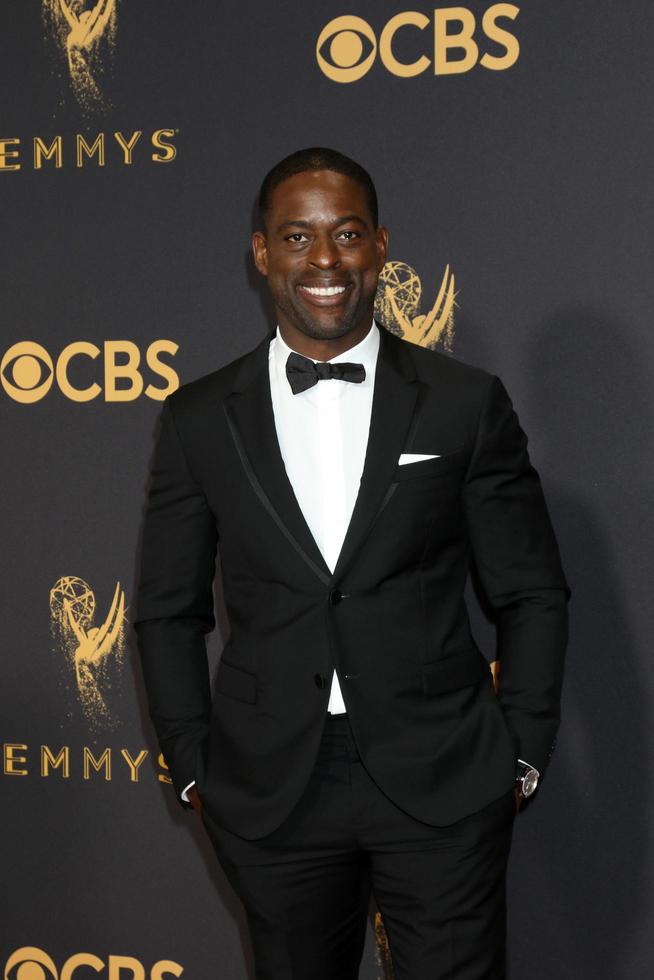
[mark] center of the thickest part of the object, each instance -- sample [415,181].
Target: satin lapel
[394,415]
[250,417]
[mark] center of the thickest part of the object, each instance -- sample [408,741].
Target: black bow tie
[303,373]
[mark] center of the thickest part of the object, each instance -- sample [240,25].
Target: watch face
[530,782]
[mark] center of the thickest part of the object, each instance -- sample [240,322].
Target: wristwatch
[526,778]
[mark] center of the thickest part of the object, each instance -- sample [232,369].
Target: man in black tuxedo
[354,743]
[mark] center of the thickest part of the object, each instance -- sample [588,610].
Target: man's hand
[195,800]
[516,792]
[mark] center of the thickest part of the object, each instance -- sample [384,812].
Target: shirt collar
[365,352]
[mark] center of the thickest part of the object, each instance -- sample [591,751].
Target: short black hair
[316,158]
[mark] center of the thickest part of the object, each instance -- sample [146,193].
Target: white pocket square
[416,457]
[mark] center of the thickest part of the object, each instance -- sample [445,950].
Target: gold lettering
[80,959]
[162,142]
[80,347]
[162,777]
[134,764]
[163,370]
[41,152]
[113,371]
[119,963]
[5,153]
[127,147]
[463,40]
[495,33]
[410,18]
[91,762]
[163,967]
[84,148]
[169,151]
[12,759]
[49,760]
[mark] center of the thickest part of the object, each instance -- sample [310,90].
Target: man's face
[321,254]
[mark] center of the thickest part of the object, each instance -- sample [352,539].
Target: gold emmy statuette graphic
[78,32]
[95,653]
[398,301]
[382,950]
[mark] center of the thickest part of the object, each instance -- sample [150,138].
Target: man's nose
[324,253]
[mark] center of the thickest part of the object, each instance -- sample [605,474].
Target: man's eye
[349,235]
[296,237]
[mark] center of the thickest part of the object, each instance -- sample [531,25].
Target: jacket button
[335,596]
[320,680]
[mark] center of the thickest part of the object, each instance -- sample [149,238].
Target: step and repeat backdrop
[511,146]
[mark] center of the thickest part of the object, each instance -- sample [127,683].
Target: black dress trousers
[306,887]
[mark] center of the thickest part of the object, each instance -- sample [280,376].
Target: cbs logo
[351,45]
[31,963]
[27,371]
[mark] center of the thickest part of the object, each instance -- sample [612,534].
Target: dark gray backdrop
[533,184]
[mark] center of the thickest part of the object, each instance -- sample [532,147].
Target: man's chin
[325,327]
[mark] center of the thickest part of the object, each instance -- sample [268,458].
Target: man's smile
[324,294]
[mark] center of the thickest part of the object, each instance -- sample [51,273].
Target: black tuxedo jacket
[391,618]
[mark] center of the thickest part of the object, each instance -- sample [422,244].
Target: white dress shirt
[323,436]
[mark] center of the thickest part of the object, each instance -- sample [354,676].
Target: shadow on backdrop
[580,852]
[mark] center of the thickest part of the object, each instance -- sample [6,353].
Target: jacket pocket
[236,683]
[440,466]
[462,669]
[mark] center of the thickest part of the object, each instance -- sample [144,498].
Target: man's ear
[382,246]
[260,251]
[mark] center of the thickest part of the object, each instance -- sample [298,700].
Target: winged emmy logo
[397,306]
[94,653]
[78,29]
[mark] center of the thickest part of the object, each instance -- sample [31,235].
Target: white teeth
[324,290]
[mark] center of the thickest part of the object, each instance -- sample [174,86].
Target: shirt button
[335,596]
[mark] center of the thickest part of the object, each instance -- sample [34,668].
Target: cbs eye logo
[31,963]
[347,46]
[27,371]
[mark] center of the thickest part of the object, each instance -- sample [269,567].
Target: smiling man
[354,744]
[322,253]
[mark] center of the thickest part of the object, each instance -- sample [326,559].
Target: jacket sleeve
[517,559]
[175,604]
